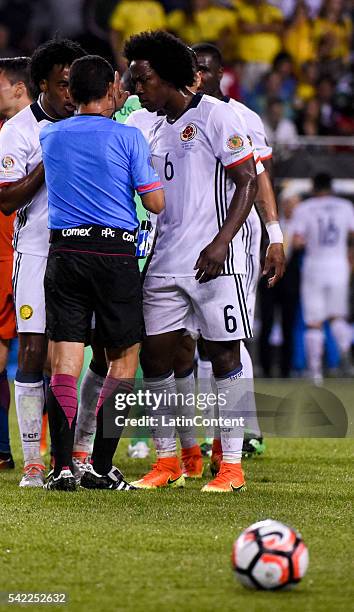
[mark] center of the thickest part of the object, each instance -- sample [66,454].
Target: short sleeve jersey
[93,166]
[20,153]
[252,229]
[324,223]
[191,156]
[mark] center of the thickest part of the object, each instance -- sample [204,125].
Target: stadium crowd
[291,63]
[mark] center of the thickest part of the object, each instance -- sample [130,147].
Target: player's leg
[90,390]
[7,332]
[192,461]
[313,303]
[6,460]
[166,312]
[337,312]
[28,288]
[267,307]
[119,382]
[221,311]
[205,387]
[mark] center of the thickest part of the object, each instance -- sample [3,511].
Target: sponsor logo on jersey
[128,237]
[26,312]
[189,132]
[235,143]
[76,231]
[7,162]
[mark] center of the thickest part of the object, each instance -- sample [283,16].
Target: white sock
[314,342]
[342,334]
[252,425]
[230,402]
[205,388]
[164,436]
[29,399]
[186,386]
[91,386]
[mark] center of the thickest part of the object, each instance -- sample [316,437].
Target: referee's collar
[40,114]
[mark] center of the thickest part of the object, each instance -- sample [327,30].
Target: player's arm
[230,145]
[15,194]
[145,178]
[267,208]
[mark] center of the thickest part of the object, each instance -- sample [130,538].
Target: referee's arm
[154,201]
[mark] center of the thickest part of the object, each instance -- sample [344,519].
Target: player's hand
[120,96]
[274,261]
[211,261]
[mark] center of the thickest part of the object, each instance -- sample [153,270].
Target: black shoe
[6,462]
[253,447]
[64,482]
[113,480]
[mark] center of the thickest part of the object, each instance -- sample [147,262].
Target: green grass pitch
[170,550]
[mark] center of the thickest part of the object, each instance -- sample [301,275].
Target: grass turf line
[170,550]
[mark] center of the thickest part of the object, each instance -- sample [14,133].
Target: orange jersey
[6,235]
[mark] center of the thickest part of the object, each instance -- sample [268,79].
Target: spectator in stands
[308,122]
[325,93]
[298,35]
[277,127]
[259,38]
[269,87]
[332,31]
[284,66]
[132,17]
[288,7]
[306,87]
[202,20]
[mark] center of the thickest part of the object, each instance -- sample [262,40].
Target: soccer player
[93,165]
[203,156]
[322,224]
[210,66]
[22,178]
[15,94]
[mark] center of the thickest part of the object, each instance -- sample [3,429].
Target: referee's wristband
[275,234]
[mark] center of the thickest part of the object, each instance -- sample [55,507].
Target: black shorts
[80,284]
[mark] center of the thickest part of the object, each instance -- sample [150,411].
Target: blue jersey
[93,166]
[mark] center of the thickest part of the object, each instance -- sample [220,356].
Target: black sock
[62,409]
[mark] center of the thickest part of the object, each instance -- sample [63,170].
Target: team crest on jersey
[235,143]
[189,132]
[7,162]
[26,312]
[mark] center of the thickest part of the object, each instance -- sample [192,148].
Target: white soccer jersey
[252,229]
[20,153]
[324,222]
[143,120]
[190,156]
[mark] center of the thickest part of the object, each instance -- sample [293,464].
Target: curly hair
[166,54]
[61,52]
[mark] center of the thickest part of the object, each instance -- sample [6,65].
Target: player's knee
[153,365]
[32,356]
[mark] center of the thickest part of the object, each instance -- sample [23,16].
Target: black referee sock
[105,447]
[62,409]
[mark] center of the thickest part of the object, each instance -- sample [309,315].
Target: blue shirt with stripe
[93,166]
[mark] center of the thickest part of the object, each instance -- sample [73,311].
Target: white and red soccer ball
[270,556]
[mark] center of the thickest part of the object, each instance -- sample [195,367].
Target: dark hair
[61,52]
[210,50]
[322,181]
[89,78]
[16,69]
[166,54]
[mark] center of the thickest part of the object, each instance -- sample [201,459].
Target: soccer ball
[269,555]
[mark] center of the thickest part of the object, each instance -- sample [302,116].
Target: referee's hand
[120,96]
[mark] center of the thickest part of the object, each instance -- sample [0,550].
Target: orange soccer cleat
[192,462]
[230,478]
[166,472]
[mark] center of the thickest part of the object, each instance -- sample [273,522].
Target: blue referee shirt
[92,168]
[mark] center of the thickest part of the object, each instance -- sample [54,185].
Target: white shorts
[28,287]
[251,283]
[324,298]
[217,308]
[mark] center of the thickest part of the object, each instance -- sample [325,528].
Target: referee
[93,166]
